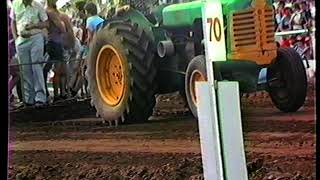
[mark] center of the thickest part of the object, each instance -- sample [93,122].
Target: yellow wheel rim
[195,76]
[110,75]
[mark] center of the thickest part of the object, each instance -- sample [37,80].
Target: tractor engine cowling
[251,33]
[249,27]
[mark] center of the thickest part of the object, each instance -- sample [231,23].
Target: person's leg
[24,56]
[12,79]
[55,53]
[82,88]
[69,71]
[12,73]
[78,83]
[37,69]
[55,85]
[72,84]
[65,73]
[12,83]
[15,81]
[86,85]
[75,73]
[63,81]
[46,70]
[56,81]
[19,90]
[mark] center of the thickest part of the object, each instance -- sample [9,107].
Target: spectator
[313,14]
[71,49]
[279,11]
[14,79]
[55,49]
[306,13]
[77,30]
[312,8]
[74,67]
[284,24]
[93,20]
[297,20]
[28,20]
[290,3]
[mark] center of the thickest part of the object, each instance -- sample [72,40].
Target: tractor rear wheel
[196,71]
[287,81]
[121,73]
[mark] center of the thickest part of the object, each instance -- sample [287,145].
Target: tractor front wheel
[196,71]
[287,81]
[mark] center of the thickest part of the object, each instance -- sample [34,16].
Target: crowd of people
[37,32]
[291,15]
[294,14]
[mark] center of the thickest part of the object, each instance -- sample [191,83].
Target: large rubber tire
[139,69]
[143,6]
[196,67]
[287,81]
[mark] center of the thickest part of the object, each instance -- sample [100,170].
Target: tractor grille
[253,29]
[268,28]
[244,29]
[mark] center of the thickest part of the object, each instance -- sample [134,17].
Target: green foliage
[80,4]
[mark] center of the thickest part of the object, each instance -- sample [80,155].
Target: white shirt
[296,20]
[313,12]
[27,15]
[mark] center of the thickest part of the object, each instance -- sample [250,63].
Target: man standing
[28,20]
[297,20]
[55,49]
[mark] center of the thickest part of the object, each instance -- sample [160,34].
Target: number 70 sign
[213,30]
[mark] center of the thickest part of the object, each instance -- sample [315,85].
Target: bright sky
[60,3]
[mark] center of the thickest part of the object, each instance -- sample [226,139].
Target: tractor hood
[185,14]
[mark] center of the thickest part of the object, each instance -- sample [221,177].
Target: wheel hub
[110,75]
[195,76]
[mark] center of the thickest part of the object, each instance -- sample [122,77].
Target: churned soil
[73,144]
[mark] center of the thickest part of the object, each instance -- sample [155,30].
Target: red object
[303,42]
[287,43]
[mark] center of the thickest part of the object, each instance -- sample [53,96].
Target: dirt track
[277,145]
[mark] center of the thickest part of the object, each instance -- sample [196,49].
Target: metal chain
[44,62]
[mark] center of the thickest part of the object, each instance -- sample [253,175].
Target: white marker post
[219,118]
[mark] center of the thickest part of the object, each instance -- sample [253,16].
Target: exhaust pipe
[165,48]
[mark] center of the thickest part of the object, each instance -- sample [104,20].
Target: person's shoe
[73,93]
[11,98]
[63,97]
[40,104]
[55,99]
[28,105]
[12,107]
[16,105]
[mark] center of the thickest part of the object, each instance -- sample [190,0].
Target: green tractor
[135,56]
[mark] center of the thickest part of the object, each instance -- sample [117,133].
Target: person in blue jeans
[28,21]
[93,20]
